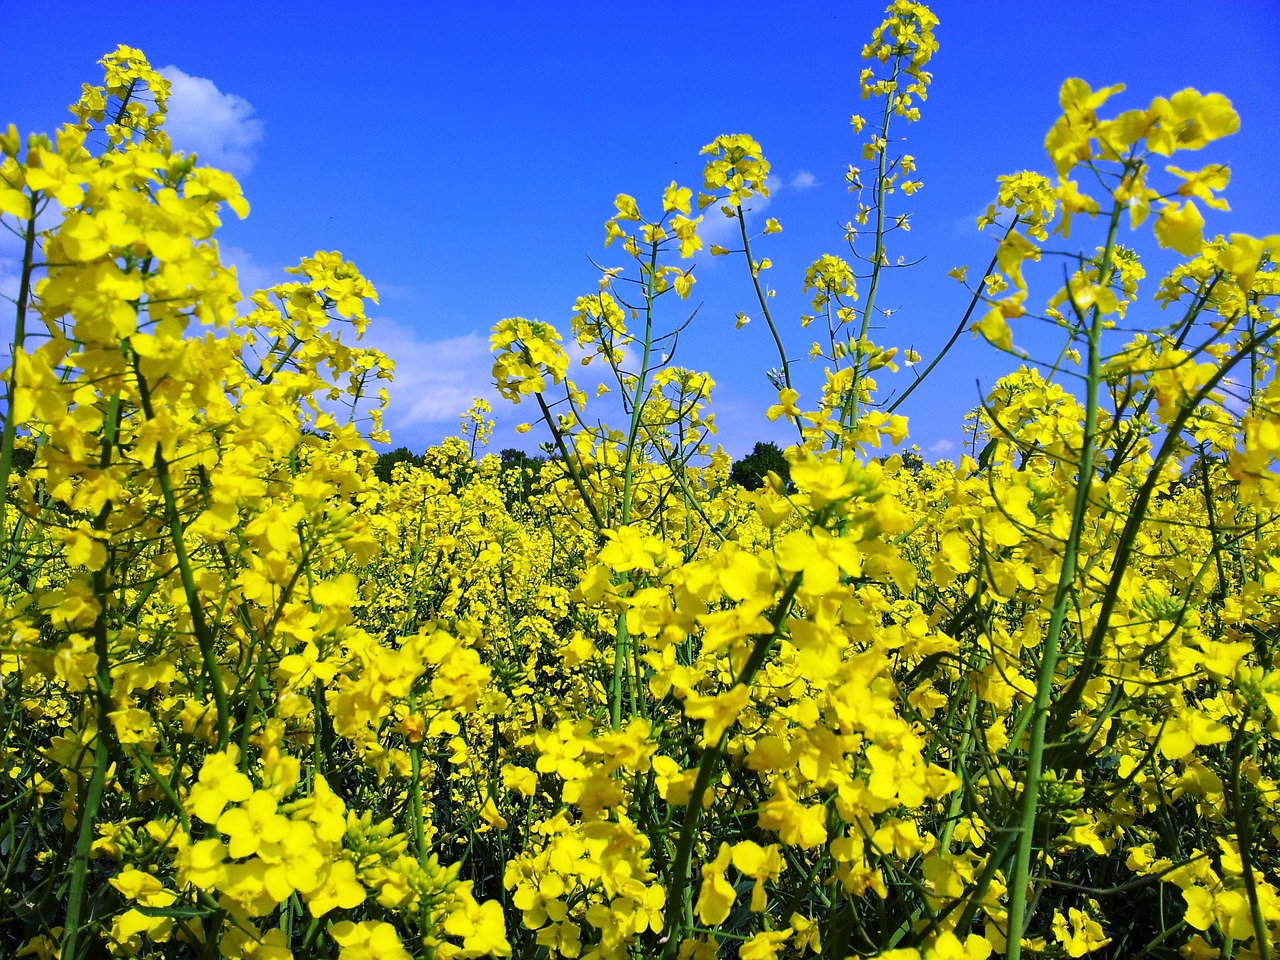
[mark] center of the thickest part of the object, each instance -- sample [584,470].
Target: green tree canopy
[387,462]
[750,471]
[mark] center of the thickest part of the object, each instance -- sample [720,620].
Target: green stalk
[1071,697]
[1025,827]
[165,787]
[204,638]
[84,844]
[569,465]
[851,402]
[622,642]
[1244,839]
[642,380]
[19,338]
[764,301]
[102,698]
[415,790]
[955,334]
[878,195]
[677,894]
[619,666]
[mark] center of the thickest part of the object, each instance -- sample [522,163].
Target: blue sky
[465,155]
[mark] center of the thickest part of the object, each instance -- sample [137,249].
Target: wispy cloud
[249,273]
[941,448]
[435,380]
[966,227]
[10,265]
[804,180]
[220,127]
[718,229]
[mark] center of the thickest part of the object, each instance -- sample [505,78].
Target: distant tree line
[749,472]
[387,462]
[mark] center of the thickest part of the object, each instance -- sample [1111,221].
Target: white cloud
[435,381]
[718,229]
[220,127]
[760,204]
[250,275]
[10,270]
[967,227]
[804,180]
[941,448]
[724,231]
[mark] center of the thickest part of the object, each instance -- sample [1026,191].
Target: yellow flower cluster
[258,703]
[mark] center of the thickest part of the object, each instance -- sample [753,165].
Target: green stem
[707,769]
[878,258]
[102,699]
[71,941]
[621,637]
[852,401]
[1244,839]
[1070,698]
[619,667]
[204,638]
[569,465]
[642,381]
[415,790]
[165,787]
[1066,584]
[955,334]
[764,300]
[19,339]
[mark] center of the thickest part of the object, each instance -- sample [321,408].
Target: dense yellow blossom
[258,702]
